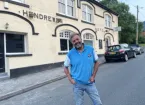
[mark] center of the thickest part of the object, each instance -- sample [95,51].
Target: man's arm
[66,70]
[96,66]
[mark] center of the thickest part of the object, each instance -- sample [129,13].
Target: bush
[141,39]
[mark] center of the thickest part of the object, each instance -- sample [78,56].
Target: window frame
[108,21]
[66,4]
[16,53]
[66,39]
[88,10]
[89,39]
[100,44]
[19,1]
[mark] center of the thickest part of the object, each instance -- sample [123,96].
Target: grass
[143,45]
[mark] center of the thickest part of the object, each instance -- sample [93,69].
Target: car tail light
[121,51]
[106,53]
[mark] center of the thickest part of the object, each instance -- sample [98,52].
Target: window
[114,48]
[108,41]
[21,1]
[65,44]
[61,6]
[100,44]
[70,7]
[88,39]
[15,43]
[108,21]
[66,7]
[87,13]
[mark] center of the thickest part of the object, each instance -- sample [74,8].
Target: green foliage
[141,39]
[126,20]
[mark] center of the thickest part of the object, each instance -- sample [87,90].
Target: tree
[126,20]
[142,39]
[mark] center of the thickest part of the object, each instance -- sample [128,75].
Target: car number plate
[112,53]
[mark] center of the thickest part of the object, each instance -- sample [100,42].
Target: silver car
[138,49]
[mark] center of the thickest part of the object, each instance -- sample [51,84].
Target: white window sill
[67,16]
[17,3]
[63,52]
[91,23]
[110,28]
[17,54]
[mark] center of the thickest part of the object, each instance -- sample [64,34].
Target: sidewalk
[16,86]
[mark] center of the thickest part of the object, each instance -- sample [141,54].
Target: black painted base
[33,69]
[100,55]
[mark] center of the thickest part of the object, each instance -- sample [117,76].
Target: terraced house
[34,34]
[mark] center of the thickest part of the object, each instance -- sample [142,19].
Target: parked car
[119,52]
[137,48]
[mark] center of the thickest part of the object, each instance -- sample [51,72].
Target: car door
[131,51]
[127,50]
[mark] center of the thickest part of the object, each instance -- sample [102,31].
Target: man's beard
[78,45]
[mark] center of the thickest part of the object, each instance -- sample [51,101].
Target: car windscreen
[134,45]
[114,48]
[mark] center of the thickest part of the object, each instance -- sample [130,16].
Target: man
[83,61]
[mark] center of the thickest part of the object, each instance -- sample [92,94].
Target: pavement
[17,86]
[118,83]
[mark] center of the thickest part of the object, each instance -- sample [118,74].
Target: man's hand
[72,81]
[66,70]
[92,79]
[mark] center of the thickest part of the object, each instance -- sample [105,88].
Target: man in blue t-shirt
[83,63]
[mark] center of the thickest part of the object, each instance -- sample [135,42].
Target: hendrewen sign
[41,16]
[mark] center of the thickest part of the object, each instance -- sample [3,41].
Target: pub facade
[34,35]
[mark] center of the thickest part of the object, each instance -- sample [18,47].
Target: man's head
[76,40]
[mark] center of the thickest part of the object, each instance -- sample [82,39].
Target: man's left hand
[92,79]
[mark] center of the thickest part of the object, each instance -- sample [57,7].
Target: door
[2,54]
[106,44]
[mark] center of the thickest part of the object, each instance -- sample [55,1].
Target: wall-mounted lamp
[6,25]
[106,31]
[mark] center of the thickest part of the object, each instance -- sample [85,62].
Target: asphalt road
[119,83]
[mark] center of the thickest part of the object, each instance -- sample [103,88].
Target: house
[34,35]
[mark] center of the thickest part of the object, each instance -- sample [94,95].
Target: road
[119,83]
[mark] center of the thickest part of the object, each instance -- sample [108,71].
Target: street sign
[117,28]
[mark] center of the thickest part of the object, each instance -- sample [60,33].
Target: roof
[102,6]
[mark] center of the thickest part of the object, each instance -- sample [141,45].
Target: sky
[133,4]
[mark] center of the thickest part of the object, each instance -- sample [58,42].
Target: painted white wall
[44,47]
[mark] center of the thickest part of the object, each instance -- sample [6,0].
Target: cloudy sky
[133,4]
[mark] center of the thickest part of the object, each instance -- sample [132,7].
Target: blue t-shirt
[81,64]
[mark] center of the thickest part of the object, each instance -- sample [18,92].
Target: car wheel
[134,55]
[107,60]
[126,58]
